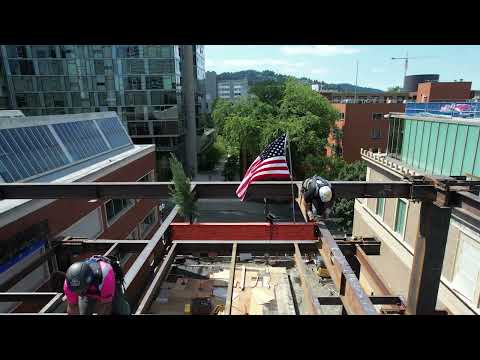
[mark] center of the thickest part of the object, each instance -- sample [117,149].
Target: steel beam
[373,278]
[28,297]
[137,276]
[353,296]
[307,292]
[231,278]
[211,190]
[154,287]
[52,304]
[428,258]
[376,300]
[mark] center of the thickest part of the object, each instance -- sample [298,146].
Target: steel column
[428,258]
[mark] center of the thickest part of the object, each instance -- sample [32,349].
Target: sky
[337,63]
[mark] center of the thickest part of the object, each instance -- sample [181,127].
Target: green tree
[394,89]
[270,92]
[180,191]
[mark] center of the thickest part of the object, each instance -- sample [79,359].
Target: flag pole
[291,177]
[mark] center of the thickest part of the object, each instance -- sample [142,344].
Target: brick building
[361,126]
[444,91]
[68,148]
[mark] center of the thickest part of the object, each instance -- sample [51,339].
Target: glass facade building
[142,83]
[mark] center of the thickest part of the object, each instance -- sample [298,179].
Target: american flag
[271,164]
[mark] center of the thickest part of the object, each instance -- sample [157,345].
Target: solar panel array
[29,151]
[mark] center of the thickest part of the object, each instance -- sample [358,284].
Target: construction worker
[95,286]
[318,195]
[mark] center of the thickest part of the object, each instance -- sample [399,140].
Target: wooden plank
[228,303]
[310,301]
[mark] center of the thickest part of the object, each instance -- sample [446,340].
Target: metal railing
[467,109]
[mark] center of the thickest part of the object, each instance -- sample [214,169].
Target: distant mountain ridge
[254,76]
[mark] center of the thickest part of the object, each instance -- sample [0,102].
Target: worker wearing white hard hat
[318,194]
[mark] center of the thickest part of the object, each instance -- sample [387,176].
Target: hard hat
[325,193]
[79,277]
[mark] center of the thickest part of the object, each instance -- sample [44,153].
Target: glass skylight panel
[82,139]
[114,132]
[28,151]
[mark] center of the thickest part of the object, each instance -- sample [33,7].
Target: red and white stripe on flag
[271,164]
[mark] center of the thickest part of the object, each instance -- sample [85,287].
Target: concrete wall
[395,261]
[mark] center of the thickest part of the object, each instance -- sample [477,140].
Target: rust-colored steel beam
[154,287]
[373,278]
[354,299]
[428,259]
[311,302]
[376,300]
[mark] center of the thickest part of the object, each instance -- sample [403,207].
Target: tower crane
[406,58]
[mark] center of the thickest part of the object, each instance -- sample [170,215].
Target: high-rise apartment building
[157,90]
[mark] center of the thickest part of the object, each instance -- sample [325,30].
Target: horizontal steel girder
[210,190]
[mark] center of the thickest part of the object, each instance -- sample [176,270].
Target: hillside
[254,76]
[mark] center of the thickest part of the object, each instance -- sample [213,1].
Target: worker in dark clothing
[318,195]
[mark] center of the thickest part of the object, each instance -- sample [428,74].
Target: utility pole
[356,83]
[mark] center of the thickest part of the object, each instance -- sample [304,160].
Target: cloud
[209,63]
[319,50]
[243,63]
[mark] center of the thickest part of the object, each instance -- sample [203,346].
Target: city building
[444,91]
[426,146]
[367,97]
[71,148]
[410,82]
[232,89]
[210,89]
[157,90]
[360,126]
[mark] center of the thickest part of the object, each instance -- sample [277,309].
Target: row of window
[67,99]
[400,214]
[93,67]
[158,128]
[92,51]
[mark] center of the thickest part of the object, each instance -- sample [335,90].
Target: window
[14,51]
[21,67]
[28,100]
[147,223]
[342,116]
[163,98]
[375,133]
[53,83]
[132,83]
[50,67]
[134,66]
[467,267]
[54,99]
[377,116]
[116,207]
[400,216]
[138,128]
[23,83]
[161,66]
[43,51]
[380,207]
[155,82]
[135,98]
[99,67]
[128,51]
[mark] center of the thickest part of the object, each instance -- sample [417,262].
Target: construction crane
[406,58]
